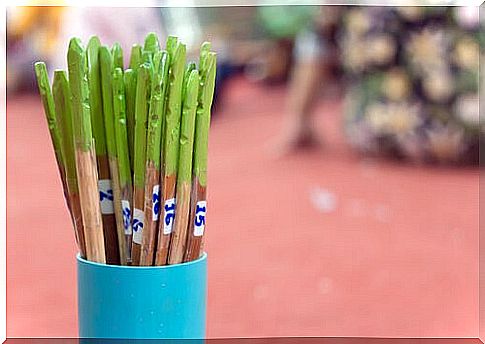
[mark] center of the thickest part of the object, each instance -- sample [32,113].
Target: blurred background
[343,167]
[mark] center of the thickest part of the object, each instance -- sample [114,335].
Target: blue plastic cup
[156,302]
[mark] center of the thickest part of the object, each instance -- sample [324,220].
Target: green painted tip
[191,86]
[95,95]
[49,109]
[77,67]
[135,57]
[129,78]
[157,102]
[62,101]
[117,52]
[119,107]
[202,121]
[173,111]
[106,64]
[141,114]
[151,44]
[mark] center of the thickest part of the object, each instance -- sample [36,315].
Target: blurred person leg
[307,74]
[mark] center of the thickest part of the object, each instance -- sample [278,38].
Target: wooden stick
[62,102]
[106,67]
[54,115]
[152,172]
[85,153]
[124,168]
[198,207]
[177,53]
[50,113]
[112,248]
[184,173]
[141,114]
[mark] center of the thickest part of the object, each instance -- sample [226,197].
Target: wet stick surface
[198,209]
[177,53]
[141,114]
[179,235]
[86,168]
[62,101]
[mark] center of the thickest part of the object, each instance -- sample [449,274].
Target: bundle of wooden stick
[131,148]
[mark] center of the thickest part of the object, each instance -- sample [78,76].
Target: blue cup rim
[138,268]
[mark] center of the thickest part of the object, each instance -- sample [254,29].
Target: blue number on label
[127,217]
[106,195]
[156,203]
[137,225]
[199,218]
[169,213]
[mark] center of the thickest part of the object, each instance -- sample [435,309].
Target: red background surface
[397,255]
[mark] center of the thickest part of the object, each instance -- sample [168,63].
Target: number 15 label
[199,219]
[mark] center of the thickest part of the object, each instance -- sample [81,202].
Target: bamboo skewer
[106,65]
[177,54]
[152,171]
[198,207]
[184,173]
[62,102]
[104,181]
[85,153]
[141,111]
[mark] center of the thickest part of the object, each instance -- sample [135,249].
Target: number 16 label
[169,208]
[199,219]
[155,202]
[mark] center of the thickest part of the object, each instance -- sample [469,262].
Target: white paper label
[105,196]
[199,219]
[156,202]
[125,206]
[138,221]
[169,208]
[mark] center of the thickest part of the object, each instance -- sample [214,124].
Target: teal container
[156,302]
